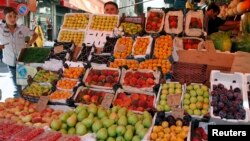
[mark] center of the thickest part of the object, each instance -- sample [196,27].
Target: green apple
[189,87]
[178,91]
[167,108]
[187,96]
[199,92]
[171,91]
[206,100]
[199,105]
[165,86]
[196,86]
[200,98]
[192,106]
[163,96]
[171,85]
[163,102]
[177,85]
[204,112]
[206,94]
[186,102]
[190,112]
[160,108]
[164,91]
[197,112]
[193,99]
[186,107]
[193,93]
[204,88]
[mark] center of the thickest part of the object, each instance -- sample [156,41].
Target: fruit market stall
[111,79]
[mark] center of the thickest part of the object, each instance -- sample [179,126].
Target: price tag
[58,49]
[173,99]
[107,100]
[120,48]
[178,112]
[42,103]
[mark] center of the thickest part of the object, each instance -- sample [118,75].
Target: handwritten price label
[42,103]
[178,112]
[173,100]
[107,100]
[58,49]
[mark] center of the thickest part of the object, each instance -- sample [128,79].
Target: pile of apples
[123,48]
[68,36]
[167,89]
[76,21]
[163,47]
[108,124]
[22,111]
[134,101]
[103,23]
[153,64]
[196,100]
[173,21]
[131,64]
[102,77]
[154,21]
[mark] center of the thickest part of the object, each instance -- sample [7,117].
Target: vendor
[213,23]
[111,8]
[12,40]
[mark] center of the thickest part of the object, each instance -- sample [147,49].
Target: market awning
[92,6]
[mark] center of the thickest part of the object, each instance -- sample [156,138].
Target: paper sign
[178,112]
[58,49]
[173,99]
[107,100]
[42,103]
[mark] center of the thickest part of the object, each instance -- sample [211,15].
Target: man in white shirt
[12,40]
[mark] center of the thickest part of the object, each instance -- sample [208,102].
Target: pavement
[6,84]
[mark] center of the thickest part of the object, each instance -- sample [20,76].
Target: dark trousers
[18,88]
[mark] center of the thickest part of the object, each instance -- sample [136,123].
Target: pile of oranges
[66,84]
[123,48]
[163,47]
[132,64]
[73,72]
[141,45]
[153,64]
[164,132]
[60,95]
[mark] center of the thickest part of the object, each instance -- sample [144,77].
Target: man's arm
[230,25]
[33,39]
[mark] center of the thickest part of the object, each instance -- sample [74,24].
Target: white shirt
[13,42]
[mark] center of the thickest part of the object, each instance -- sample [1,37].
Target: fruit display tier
[137,101]
[156,64]
[33,91]
[43,76]
[75,36]
[101,77]
[194,23]
[163,47]
[67,84]
[76,21]
[123,47]
[154,21]
[196,100]
[228,100]
[73,72]
[140,79]
[131,64]
[104,22]
[166,89]
[90,95]
[174,22]
[60,96]
[142,46]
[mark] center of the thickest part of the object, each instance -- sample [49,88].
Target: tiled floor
[6,83]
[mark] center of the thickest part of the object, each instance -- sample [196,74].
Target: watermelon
[221,40]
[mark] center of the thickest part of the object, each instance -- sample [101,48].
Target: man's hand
[1,46]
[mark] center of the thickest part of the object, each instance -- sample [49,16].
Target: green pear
[120,138]
[63,131]
[147,122]
[92,109]
[130,127]
[81,129]
[82,114]
[132,119]
[113,116]
[101,113]
[128,135]
[122,112]
[111,139]
[64,117]
[108,123]
[142,132]
[97,125]
[130,113]
[102,134]
[136,138]
[64,126]
[146,114]
[80,108]
[122,121]
[112,130]
[120,130]
[138,123]
[72,131]
[56,124]
[115,109]
[71,121]
[88,122]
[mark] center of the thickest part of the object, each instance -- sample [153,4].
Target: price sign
[173,99]
[42,103]
[178,112]
[120,48]
[107,100]
[58,49]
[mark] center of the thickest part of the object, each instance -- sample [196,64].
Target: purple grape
[215,109]
[230,95]
[230,116]
[222,114]
[221,86]
[215,98]
[221,105]
[214,103]
[239,115]
[225,109]
[216,113]
[214,87]
[237,90]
